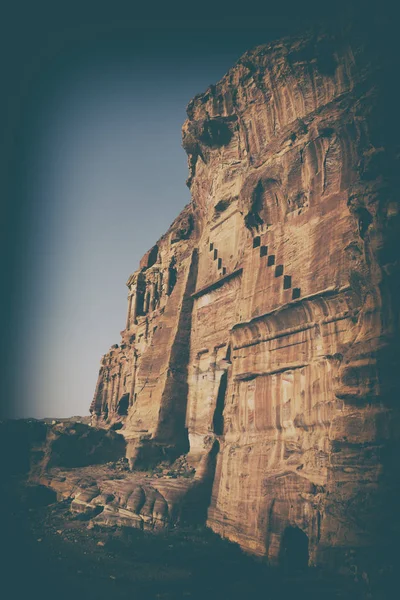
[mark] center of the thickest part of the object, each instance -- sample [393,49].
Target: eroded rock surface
[261,338]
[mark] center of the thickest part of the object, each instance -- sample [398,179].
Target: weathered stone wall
[262,329]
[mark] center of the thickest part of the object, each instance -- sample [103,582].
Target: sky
[95,174]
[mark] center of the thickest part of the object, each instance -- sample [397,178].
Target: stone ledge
[216,284]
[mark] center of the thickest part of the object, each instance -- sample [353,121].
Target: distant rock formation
[261,340]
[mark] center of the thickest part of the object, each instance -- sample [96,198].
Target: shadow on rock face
[294,550]
[17,438]
[36,496]
[198,498]
[80,445]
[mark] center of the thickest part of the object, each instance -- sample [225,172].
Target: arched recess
[153,255]
[271,200]
[266,206]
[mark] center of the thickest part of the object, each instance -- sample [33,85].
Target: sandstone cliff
[262,329]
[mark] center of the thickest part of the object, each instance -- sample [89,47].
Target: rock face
[261,338]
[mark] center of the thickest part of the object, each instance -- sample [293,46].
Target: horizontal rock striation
[261,339]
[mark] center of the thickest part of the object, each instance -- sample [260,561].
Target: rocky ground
[51,552]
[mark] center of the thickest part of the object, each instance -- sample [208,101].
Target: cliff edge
[261,342]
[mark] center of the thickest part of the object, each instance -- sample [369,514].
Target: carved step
[287,279]
[215,257]
[287,282]
[295,293]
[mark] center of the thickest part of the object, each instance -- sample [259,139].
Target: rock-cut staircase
[279,268]
[220,266]
[271,262]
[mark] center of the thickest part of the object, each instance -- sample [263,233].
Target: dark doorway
[294,550]
[123,405]
[218,420]
[172,275]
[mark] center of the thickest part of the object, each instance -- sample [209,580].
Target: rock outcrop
[261,339]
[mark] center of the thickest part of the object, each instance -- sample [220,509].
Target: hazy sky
[98,167]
